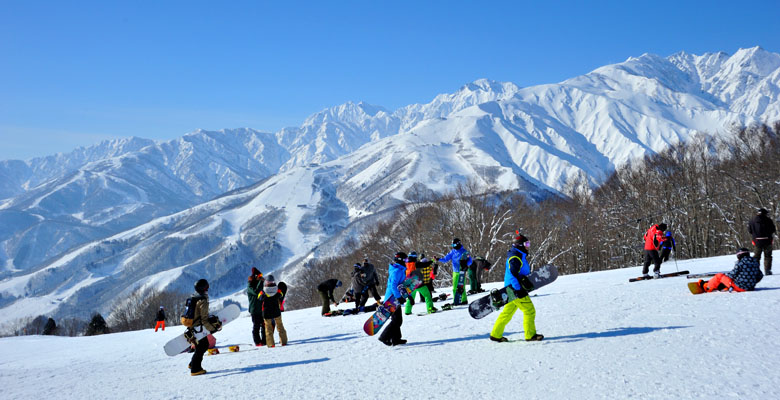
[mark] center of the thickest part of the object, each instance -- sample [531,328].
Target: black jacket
[762,228]
[161,315]
[328,287]
[271,305]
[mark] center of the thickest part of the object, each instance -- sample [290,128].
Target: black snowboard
[671,274]
[499,297]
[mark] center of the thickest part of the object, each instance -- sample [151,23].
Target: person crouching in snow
[271,303]
[744,277]
[326,294]
[396,275]
[516,278]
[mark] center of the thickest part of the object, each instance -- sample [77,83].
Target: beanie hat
[413,255]
[270,278]
[456,243]
[762,211]
[662,226]
[201,285]
[399,257]
[742,252]
[255,271]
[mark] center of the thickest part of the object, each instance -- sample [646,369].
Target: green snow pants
[426,294]
[474,280]
[529,315]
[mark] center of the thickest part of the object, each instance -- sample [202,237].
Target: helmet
[456,243]
[521,241]
[742,252]
[413,255]
[399,257]
[338,283]
[668,234]
[201,285]
[662,226]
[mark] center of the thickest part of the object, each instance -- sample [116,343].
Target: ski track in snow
[604,338]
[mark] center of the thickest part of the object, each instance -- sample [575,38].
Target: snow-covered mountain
[343,166]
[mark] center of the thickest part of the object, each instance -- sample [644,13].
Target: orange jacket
[410,266]
[653,238]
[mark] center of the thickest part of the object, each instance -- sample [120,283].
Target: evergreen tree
[97,326]
[50,328]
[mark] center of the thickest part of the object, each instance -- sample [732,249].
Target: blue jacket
[454,255]
[516,266]
[746,273]
[396,275]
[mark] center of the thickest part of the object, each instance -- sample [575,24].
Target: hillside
[605,338]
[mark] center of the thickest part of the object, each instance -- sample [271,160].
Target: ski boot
[499,340]
[535,338]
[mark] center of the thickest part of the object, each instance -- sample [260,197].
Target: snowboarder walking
[358,286]
[516,280]
[411,267]
[653,238]
[667,245]
[461,259]
[744,277]
[160,319]
[371,281]
[253,289]
[326,293]
[271,302]
[201,320]
[396,275]
[762,228]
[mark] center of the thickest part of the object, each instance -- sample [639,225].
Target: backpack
[187,319]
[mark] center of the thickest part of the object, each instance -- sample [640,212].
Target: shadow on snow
[615,332]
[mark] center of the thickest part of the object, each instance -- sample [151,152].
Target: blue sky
[74,73]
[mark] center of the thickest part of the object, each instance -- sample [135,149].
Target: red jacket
[653,238]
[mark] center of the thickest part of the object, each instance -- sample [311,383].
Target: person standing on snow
[271,303]
[744,277]
[411,268]
[371,280]
[253,288]
[428,272]
[461,259]
[160,319]
[201,320]
[667,245]
[396,276]
[358,286]
[762,228]
[653,238]
[326,294]
[516,280]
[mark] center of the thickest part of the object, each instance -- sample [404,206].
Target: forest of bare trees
[705,190]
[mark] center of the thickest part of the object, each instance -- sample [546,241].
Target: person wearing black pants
[201,321]
[253,289]
[761,230]
[371,280]
[396,275]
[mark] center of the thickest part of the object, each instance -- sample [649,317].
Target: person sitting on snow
[744,277]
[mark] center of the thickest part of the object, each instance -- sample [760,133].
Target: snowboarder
[160,319]
[201,321]
[461,259]
[762,228]
[428,271]
[326,293]
[371,281]
[396,275]
[667,245]
[653,238]
[515,278]
[358,285]
[271,302]
[411,267]
[744,277]
[253,289]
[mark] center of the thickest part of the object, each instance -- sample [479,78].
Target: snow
[604,338]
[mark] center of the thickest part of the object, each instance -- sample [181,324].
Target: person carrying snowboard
[653,238]
[271,302]
[667,245]
[201,321]
[253,288]
[326,293]
[411,268]
[461,259]
[762,229]
[160,319]
[516,280]
[744,277]
[396,276]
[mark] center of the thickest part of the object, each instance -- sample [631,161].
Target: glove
[526,283]
[402,300]
[217,325]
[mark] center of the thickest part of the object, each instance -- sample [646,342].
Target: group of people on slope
[266,303]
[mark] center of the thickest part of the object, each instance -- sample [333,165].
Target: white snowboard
[179,344]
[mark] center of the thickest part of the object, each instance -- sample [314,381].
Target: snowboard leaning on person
[253,288]
[653,238]
[461,260]
[160,319]
[396,276]
[516,280]
[271,302]
[201,321]
[744,277]
[762,229]
[326,293]
[411,267]
[667,246]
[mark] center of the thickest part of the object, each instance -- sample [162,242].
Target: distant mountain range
[84,228]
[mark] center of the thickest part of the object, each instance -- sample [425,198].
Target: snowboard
[671,274]
[383,312]
[497,298]
[695,288]
[179,344]
[704,275]
[460,288]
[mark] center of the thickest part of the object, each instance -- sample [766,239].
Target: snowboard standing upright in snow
[499,297]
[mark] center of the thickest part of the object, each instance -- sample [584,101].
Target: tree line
[705,190]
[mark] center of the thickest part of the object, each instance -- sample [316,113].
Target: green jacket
[253,289]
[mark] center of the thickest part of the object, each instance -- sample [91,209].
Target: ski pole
[675,262]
